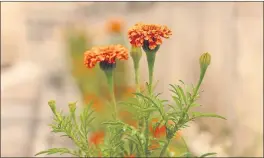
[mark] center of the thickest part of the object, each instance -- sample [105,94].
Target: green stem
[165,147]
[136,67]
[151,60]
[85,139]
[147,136]
[199,84]
[185,144]
[194,94]
[110,80]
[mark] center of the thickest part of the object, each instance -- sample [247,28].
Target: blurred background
[42,46]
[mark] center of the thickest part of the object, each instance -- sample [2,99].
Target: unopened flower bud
[72,107]
[52,104]
[136,54]
[205,60]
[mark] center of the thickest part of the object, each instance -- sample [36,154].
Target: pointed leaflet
[55,150]
[183,95]
[187,154]
[208,154]
[198,114]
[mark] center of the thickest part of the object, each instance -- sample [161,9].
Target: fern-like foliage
[68,126]
[123,139]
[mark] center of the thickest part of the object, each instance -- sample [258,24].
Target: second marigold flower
[151,33]
[105,55]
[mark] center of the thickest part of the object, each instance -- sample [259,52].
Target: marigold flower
[151,33]
[159,131]
[105,55]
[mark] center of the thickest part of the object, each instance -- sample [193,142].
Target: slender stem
[147,136]
[195,91]
[151,60]
[185,144]
[199,84]
[165,147]
[110,80]
[136,67]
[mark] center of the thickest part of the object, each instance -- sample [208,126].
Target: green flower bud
[52,104]
[72,107]
[136,54]
[205,60]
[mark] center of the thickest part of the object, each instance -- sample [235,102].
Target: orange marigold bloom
[148,32]
[106,54]
[159,132]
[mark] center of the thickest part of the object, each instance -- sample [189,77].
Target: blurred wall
[231,31]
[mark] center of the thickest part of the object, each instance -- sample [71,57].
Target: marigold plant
[151,123]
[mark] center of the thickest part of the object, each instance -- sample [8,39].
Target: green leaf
[198,114]
[189,97]
[195,105]
[186,154]
[172,107]
[208,154]
[149,110]
[112,123]
[183,95]
[178,102]
[158,95]
[54,151]
[134,141]
[149,99]
[181,81]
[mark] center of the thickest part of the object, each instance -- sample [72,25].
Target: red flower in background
[97,104]
[159,131]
